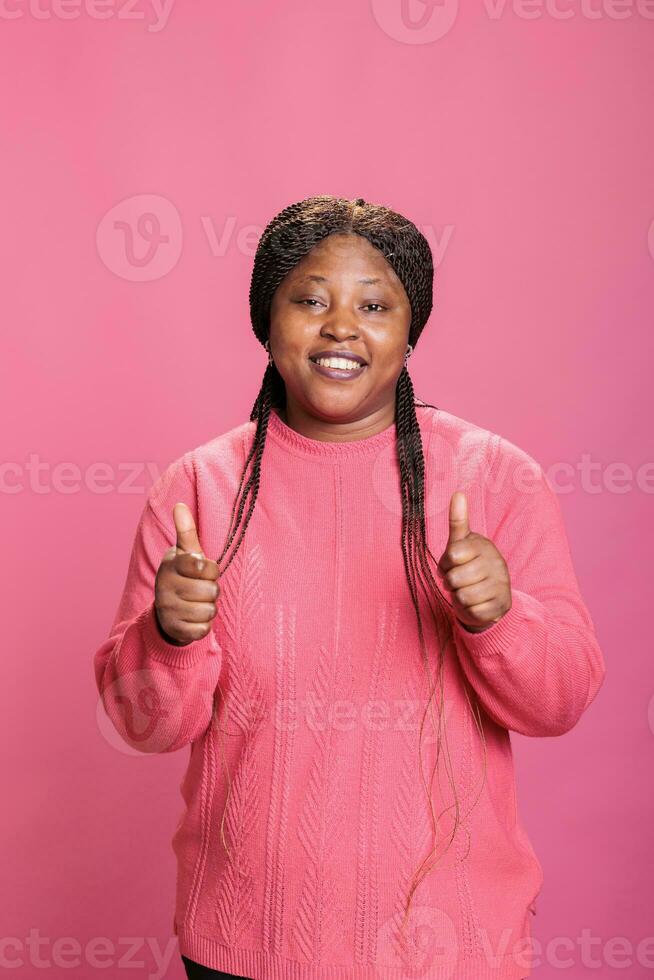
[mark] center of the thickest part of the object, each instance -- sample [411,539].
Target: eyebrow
[314,278]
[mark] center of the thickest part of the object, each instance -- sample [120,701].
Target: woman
[347,670]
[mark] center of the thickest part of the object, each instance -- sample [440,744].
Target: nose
[341,326]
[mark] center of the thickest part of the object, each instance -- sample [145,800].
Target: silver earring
[409,352]
[267,347]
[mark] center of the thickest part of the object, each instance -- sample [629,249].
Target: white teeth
[343,363]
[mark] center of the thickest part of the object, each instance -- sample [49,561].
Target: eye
[376,304]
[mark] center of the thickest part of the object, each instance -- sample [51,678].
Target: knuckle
[206,611]
[467,595]
[161,600]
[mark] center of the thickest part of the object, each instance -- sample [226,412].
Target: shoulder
[452,437]
[460,433]
[476,451]
[211,469]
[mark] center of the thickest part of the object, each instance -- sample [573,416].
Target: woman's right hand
[186,586]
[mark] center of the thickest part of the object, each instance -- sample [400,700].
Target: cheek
[290,331]
[389,361]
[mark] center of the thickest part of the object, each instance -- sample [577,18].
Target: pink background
[522,146]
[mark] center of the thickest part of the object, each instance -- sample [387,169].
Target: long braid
[288,237]
[261,413]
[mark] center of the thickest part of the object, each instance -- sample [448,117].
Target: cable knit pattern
[305,813]
[236,910]
[367,899]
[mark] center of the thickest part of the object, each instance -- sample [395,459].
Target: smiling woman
[324,285]
[341,314]
[326,667]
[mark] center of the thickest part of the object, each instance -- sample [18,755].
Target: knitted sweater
[301,709]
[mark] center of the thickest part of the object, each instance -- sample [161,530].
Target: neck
[327,430]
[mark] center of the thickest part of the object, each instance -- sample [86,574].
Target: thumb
[459,527]
[187,535]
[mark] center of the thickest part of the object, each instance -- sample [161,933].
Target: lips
[339,374]
[346,354]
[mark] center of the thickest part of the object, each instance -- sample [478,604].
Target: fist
[473,571]
[186,586]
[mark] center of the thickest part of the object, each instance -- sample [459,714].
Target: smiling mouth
[337,361]
[338,367]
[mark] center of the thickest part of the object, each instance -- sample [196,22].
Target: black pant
[195,971]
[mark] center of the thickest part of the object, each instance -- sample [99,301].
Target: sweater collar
[284,435]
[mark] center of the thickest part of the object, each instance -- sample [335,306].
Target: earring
[409,352]
[267,347]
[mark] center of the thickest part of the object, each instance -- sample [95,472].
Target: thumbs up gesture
[186,586]
[473,571]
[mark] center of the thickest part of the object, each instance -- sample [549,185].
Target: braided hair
[285,241]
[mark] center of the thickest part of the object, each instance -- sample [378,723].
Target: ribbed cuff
[167,653]
[497,639]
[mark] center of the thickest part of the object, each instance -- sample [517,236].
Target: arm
[539,667]
[158,695]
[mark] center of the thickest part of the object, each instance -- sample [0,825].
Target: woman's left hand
[474,572]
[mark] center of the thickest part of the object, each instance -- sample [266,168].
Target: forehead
[345,255]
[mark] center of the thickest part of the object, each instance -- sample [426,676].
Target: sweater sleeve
[539,667]
[158,696]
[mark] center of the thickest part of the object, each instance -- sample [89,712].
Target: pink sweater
[305,700]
